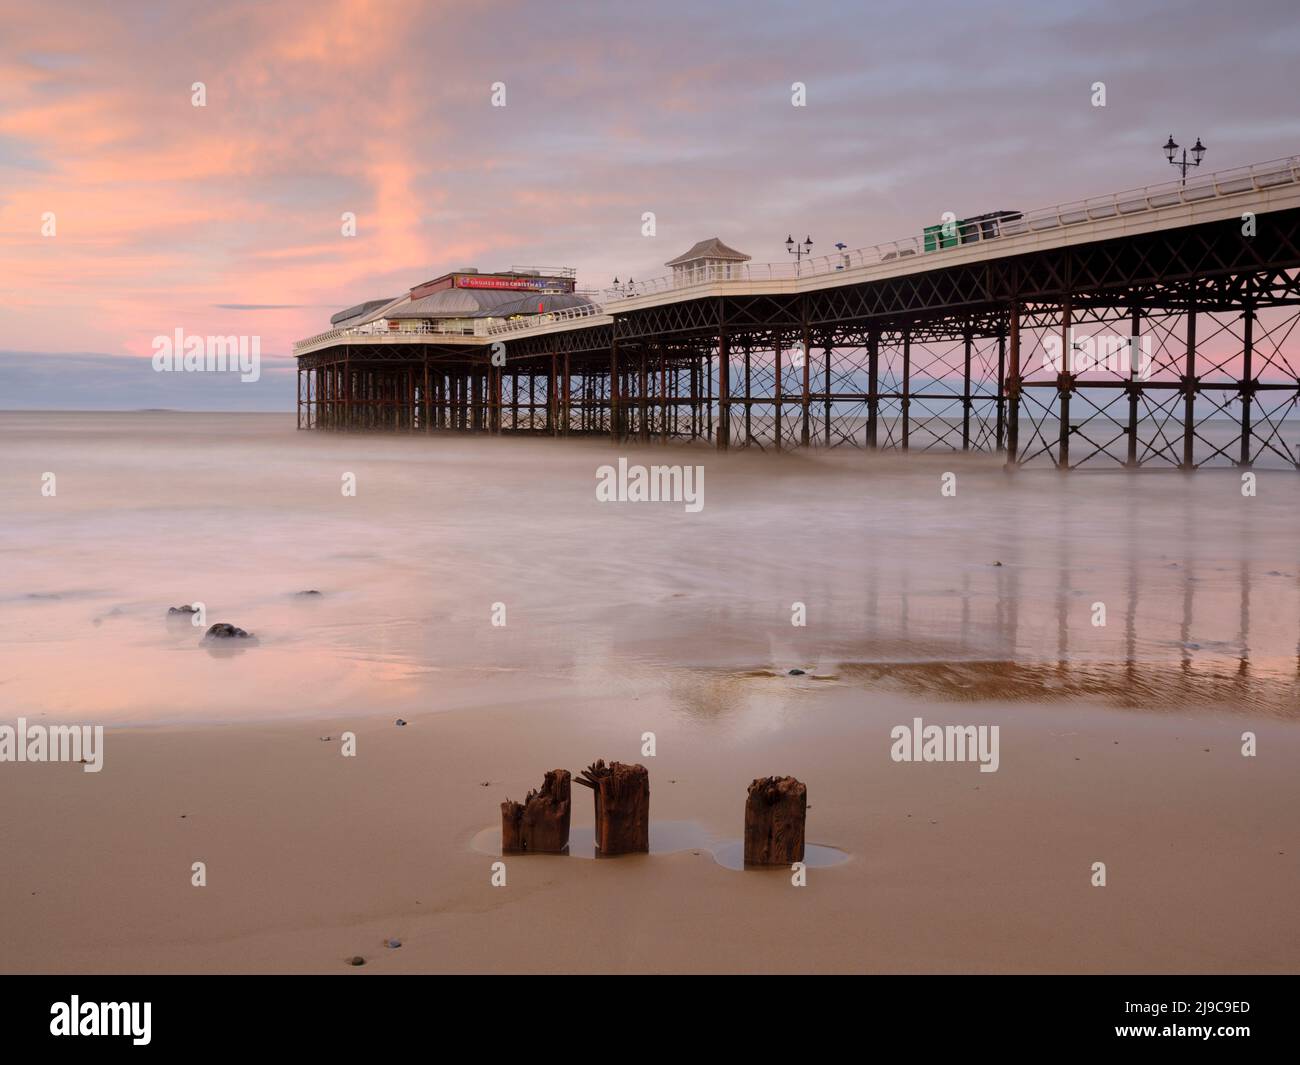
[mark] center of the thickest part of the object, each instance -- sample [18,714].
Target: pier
[1150,328]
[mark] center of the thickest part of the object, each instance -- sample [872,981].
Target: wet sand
[313,858]
[1119,743]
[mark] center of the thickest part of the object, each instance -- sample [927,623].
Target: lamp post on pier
[798,250]
[1184,164]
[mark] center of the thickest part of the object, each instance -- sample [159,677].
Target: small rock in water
[309,591]
[186,609]
[393,944]
[400,722]
[796,673]
[357,959]
[222,631]
[997,563]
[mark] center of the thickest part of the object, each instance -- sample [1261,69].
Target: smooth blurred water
[240,512]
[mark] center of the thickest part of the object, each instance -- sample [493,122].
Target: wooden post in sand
[775,812]
[622,806]
[540,824]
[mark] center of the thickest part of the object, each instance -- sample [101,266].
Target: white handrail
[482,327]
[418,328]
[532,321]
[1256,177]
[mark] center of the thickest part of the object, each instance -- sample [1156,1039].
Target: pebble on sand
[796,673]
[357,959]
[400,722]
[393,944]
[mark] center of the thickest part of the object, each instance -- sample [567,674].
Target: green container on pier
[943,235]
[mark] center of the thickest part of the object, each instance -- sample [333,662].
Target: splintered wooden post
[774,821]
[539,824]
[622,806]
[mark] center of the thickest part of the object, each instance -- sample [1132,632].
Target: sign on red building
[513,284]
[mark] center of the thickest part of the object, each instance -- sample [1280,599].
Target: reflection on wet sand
[1141,686]
[1203,657]
[623,621]
[1112,579]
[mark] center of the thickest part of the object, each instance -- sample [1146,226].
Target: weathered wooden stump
[775,812]
[622,806]
[539,824]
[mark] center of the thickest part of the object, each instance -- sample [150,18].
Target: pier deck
[1156,327]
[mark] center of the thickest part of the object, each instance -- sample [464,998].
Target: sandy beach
[313,858]
[1120,743]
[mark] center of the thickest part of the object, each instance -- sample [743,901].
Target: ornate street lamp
[1184,164]
[798,250]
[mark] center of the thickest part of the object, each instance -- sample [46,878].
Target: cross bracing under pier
[1166,336]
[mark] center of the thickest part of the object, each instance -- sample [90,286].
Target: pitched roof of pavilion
[359,311]
[713,248]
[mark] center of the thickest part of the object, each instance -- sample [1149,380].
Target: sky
[127,212]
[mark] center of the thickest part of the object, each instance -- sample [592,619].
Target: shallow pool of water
[667,837]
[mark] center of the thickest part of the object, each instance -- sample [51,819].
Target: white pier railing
[373,333]
[536,321]
[1257,177]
